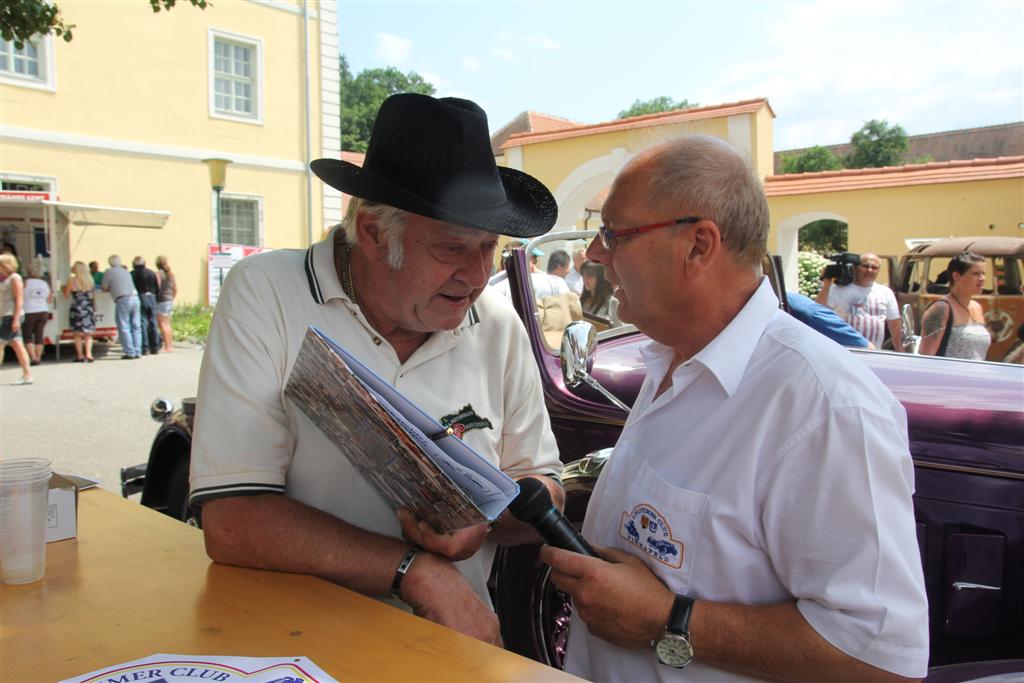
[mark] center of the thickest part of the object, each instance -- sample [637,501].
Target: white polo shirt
[776,468]
[250,439]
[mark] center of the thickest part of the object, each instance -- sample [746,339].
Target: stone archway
[585,181]
[787,239]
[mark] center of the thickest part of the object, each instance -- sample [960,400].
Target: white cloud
[471,64]
[544,41]
[828,67]
[504,55]
[392,49]
[433,79]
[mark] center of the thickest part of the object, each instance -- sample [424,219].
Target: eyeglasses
[609,237]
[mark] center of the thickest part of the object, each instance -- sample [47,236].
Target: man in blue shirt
[824,320]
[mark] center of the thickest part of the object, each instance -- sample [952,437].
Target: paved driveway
[91,419]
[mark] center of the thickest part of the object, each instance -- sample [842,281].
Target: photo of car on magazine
[410,457]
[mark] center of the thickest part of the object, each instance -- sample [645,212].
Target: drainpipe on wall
[309,178]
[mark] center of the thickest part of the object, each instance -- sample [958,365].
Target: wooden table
[136,583]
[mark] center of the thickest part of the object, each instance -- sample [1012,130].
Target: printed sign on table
[192,668]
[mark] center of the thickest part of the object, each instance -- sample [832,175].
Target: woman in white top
[12,300]
[38,298]
[954,326]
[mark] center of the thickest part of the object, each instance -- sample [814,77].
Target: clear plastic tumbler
[24,485]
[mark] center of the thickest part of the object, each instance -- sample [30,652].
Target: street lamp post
[218,174]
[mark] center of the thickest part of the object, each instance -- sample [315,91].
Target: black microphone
[533,505]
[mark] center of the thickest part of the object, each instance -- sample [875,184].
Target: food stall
[39,227]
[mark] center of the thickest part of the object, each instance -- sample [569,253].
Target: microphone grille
[532,502]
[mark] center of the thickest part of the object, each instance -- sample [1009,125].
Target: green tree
[825,236]
[22,19]
[877,144]
[362,96]
[816,158]
[655,106]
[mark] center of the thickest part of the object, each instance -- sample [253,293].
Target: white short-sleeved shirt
[250,439]
[37,291]
[866,309]
[575,281]
[544,285]
[776,468]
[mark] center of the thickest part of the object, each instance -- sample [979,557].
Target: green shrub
[810,265]
[191,322]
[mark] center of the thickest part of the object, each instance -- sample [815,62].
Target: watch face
[673,650]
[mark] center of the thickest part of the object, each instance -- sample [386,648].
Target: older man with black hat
[400,283]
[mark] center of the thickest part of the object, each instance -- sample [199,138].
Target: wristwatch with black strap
[673,647]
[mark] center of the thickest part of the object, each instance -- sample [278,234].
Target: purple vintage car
[966,423]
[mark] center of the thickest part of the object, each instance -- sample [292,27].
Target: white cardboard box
[61,509]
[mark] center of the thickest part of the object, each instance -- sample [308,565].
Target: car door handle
[964,585]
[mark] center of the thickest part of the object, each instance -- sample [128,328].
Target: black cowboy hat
[433,157]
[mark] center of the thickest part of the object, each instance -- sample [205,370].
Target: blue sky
[826,67]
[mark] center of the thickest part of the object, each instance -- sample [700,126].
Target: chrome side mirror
[161,409]
[578,343]
[911,341]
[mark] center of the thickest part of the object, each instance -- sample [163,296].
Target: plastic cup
[24,485]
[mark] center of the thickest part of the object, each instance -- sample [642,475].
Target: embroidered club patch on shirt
[646,529]
[465,419]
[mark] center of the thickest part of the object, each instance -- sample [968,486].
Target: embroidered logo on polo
[465,419]
[646,529]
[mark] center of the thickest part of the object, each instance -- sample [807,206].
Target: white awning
[90,214]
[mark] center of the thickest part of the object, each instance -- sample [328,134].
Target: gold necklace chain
[346,273]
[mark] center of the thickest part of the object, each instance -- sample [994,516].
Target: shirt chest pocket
[662,523]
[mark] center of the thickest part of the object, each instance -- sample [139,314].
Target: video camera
[841,268]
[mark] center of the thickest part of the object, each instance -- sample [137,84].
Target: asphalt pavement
[91,419]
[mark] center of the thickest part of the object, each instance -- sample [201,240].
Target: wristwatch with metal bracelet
[673,647]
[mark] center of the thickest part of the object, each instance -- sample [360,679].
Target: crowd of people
[143,303]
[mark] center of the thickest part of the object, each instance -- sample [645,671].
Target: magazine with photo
[412,459]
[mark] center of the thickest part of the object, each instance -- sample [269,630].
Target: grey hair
[138,261]
[704,175]
[390,220]
[114,261]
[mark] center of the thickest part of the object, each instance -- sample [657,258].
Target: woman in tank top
[954,326]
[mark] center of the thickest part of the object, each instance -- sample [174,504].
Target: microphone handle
[556,530]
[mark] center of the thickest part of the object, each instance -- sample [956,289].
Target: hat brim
[529,209]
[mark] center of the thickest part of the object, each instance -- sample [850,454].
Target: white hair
[114,261]
[390,220]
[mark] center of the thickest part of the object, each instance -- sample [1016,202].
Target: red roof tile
[661,118]
[895,176]
[529,122]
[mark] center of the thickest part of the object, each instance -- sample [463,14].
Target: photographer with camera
[848,287]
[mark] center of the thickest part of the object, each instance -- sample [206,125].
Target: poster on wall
[219,261]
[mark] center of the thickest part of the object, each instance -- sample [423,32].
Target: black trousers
[150,330]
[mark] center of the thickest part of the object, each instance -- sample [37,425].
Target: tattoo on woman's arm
[932,322]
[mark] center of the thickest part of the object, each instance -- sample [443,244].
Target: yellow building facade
[579,162]
[106,134]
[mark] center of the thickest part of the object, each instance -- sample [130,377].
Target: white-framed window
[30,66]
[241,220]
[236,77]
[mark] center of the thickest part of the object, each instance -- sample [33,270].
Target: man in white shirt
[544,284]
[400,284]
[575,278]
[866,305]
[755,520]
